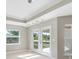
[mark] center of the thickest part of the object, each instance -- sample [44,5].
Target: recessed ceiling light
[29,1]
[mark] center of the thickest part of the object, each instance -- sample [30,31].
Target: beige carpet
[25,55]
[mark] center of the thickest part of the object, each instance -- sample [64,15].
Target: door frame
[44,28]
[40,47]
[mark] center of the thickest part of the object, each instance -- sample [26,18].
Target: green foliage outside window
[45,40]
[35,35]
[12,37]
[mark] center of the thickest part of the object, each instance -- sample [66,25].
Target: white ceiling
[21,9]
[62,11]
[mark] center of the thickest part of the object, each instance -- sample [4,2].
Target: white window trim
[14,36]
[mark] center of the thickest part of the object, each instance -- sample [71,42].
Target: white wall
[23,38]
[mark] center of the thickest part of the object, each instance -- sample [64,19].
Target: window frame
[33,31]
[45,28]
[18,43]
[40,37]
[67,25]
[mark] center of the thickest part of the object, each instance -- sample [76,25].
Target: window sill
[13,44]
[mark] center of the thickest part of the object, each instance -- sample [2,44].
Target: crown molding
[9,22]
[15,19]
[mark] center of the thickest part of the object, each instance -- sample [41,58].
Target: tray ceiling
[22,10]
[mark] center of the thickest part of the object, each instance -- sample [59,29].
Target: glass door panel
[46,40]
[35,37]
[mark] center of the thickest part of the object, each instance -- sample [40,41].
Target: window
[12,37]
[68,39]
[46,39]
